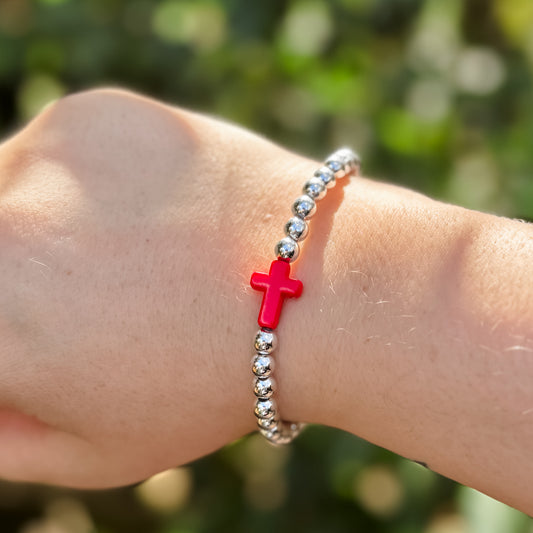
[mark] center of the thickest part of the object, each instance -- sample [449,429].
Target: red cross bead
[276,286]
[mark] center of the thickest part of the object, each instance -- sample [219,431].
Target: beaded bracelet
[278,285]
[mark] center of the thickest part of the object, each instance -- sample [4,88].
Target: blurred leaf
[36,92]
[516,19]
[402,132]
[485,515]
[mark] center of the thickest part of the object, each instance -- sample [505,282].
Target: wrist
[287,174]
[373,271]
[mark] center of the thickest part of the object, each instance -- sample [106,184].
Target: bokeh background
[435,94]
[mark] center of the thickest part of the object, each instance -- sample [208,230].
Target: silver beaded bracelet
[278,285]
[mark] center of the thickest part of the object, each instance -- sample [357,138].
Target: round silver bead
[264,408]
[264,387]
[267,423]
[262,366]
[265,341]
[327,176]
[294,427]
[287,248]
[273,435]
[282,437]
[286,432]
[350,159]
[315,188]
[337,165]
[296,229]
[304,207]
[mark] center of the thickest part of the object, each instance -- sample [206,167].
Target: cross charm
[276,285]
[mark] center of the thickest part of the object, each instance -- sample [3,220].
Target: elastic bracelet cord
[278,285]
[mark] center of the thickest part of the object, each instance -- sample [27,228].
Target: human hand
[127,231]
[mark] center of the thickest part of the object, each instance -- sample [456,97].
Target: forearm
[415,332]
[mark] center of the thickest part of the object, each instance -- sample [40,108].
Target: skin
[129,230]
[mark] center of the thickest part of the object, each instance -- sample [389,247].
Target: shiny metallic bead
[273,435]
[350,159]
[296,229]
[287,248]
[264,408]
[315,188]
[338,166]
[283,437]
[304,207]
[265,341]
[267,423]
[262,366]
[294,427]
[264,387]
[327,176]
[284,432]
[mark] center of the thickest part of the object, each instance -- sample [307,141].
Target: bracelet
[278,285]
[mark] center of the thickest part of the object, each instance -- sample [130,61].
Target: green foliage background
[434,94]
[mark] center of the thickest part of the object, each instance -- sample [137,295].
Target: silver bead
[327,176]
[285,432]
[262,366]
[296,229]
[267,423]
[294,427]
[265,341]
[304,207]
[315,188]
[287,248]
[350,159]
[282,437]
[273,435]
[337,165]
[264,387]
[265,408]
